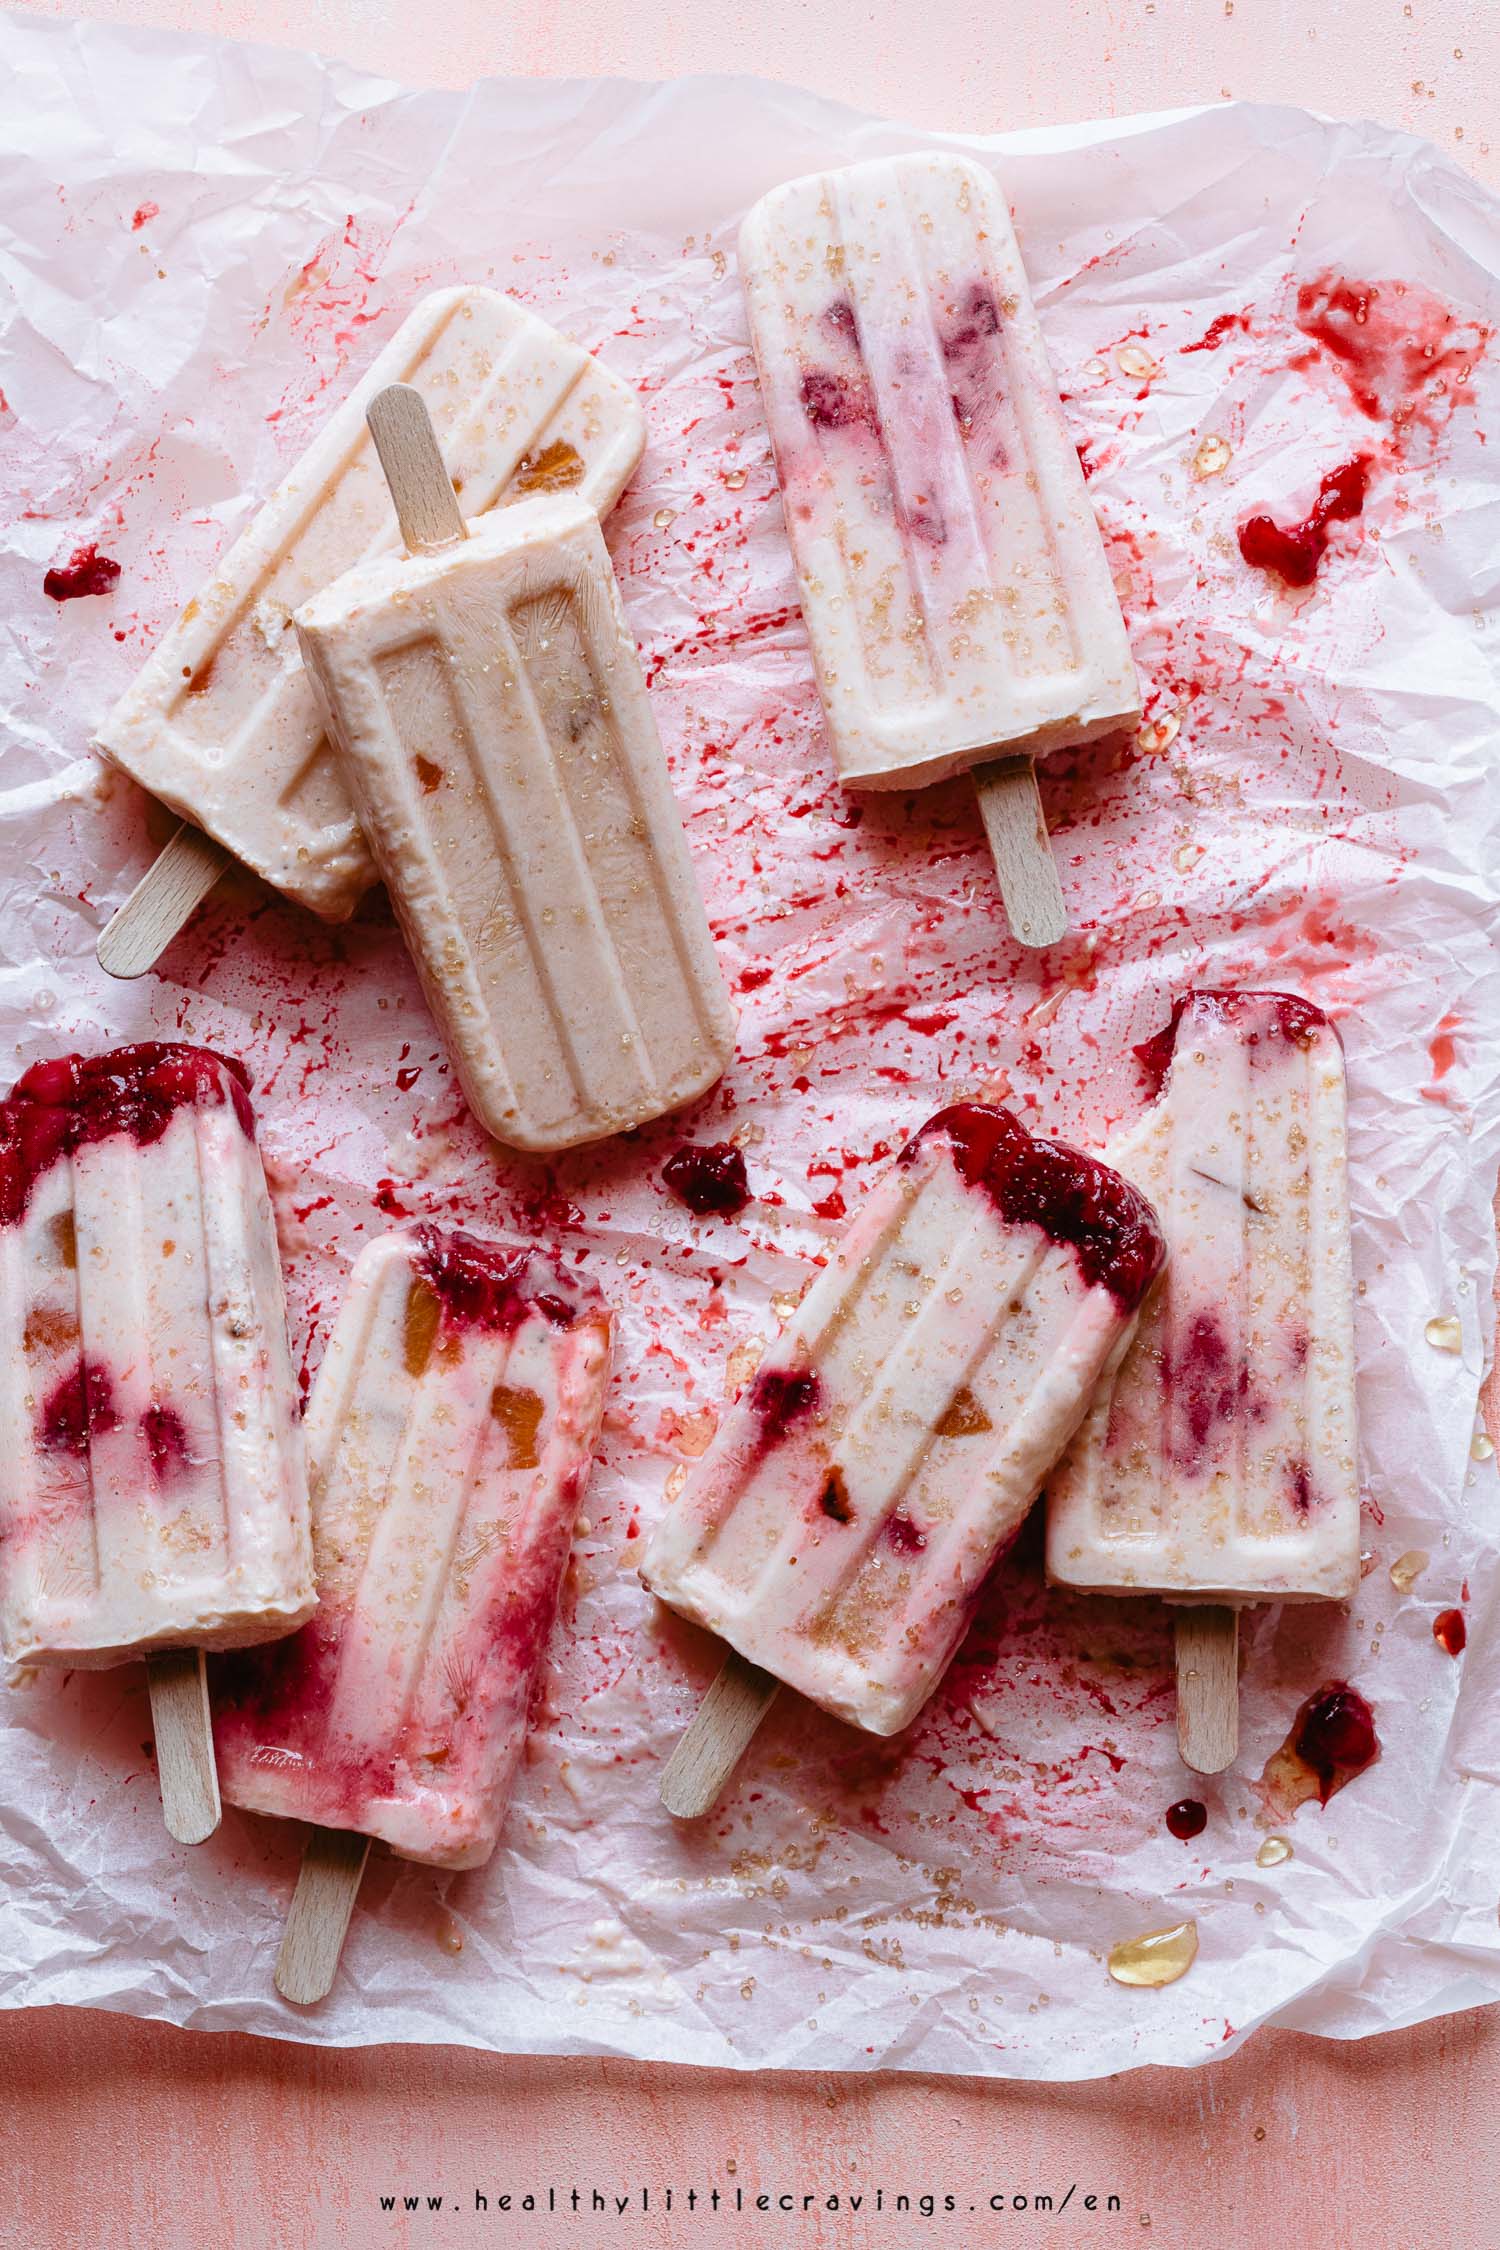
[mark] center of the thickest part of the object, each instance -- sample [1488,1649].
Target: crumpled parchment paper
[202,245]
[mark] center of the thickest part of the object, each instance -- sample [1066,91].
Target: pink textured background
[115,2134]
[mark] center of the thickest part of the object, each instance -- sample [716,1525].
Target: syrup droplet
[1134,359]
[664,517]
[1445,1333]
[1213,457]
[1408,1568]
[1159,734]
[1274,1852]
[450,1937]
[1156,1957]
[736,479]
[1332,1740]
[1450,1632]
[1480,1448]
[1187,1818]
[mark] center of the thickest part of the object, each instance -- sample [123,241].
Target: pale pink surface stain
[116,2133]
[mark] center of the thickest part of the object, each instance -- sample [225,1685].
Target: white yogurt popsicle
[954,581]
[840,1528]
[489,709]
[153,1495]
[450,1436]
[220,723]
[1218,1462]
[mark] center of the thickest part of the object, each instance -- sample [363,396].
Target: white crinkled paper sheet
[202,246]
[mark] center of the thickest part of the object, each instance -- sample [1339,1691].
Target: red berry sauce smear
[1073,1198]
[1293,552]
[711,1181]
[495,1285]
[86,572]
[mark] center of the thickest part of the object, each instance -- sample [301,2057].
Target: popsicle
[953,578]
[154,1502]
[220,722]
[839,1530]
[450,1434]
[1217,1465]
[488,707]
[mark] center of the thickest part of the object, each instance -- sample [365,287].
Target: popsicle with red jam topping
[839,1530]
[153,1495]
[154,1501]
[450,1434]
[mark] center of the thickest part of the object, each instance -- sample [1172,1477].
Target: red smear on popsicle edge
[494,1286]
[1296,1020]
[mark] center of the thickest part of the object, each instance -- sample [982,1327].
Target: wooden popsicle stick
[185,1765]
[1014,822]
[333,1864]
[717,1737]
[1208,1686]
[172,889]
[426,505]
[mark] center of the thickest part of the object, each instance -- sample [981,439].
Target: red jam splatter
[1450,1632]
[1403,354]
[1073,1198]
[904,1535]
[65,1104]
[145,213]
[1187,1818]
[493,1285]
[80,1408]
[86,572]
[1334,1734]
[710,1180]
[1216,331]
[165,1434]
[1294,553]
[1280,1013]
[781,1397]
[1332,1740]
[1441,1049]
